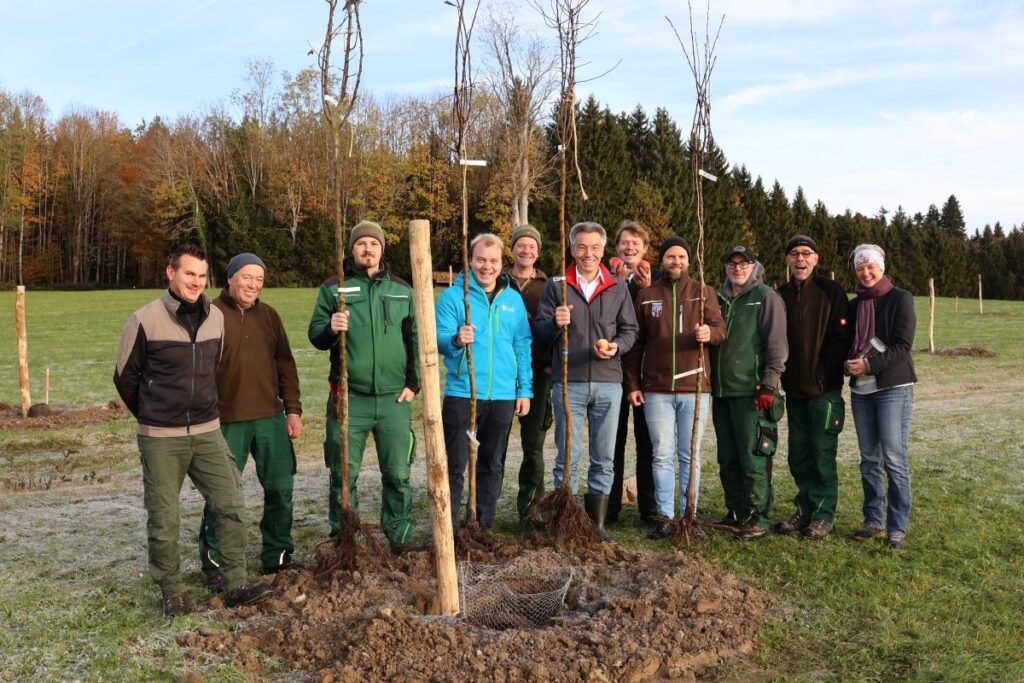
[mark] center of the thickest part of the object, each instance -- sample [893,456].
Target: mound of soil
[52,416]
[627,616]
[969,351]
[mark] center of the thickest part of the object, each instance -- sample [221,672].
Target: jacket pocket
[835,415]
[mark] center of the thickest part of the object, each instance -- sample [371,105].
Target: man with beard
[381,348]
[663,369]
[746,372]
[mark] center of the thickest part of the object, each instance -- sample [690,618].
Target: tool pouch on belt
[768,427]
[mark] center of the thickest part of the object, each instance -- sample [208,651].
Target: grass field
[76,604]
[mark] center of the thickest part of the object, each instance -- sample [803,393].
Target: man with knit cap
[745,377]
[530,281]
[380,322]
[664,366]
[819,334]
[260,410]
[601,326]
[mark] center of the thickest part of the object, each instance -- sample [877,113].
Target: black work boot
[596,505]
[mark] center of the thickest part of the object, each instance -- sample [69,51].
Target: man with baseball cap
[260,410]
[383,378]
[819,335]
[745,380]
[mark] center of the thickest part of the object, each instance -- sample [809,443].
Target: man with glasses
[260,411]
[601,326]
[746,371]
[819,335]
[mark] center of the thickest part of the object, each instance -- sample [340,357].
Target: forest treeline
[87,202]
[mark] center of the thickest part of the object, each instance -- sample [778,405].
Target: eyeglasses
[738,265]
[584,249]
[801,254]
[250,279]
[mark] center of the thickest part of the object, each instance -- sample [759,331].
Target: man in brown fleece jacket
[260,410]
[661,370]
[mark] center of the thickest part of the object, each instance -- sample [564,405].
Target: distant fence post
[981,304]
[19,321]
[931,317]
[451,277]
[958,303]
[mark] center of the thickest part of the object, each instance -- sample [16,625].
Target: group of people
[211,382]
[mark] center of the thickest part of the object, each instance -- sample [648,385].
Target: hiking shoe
[795,523]
[730,520]
[817,530]
[215,581]
[248,595]
[897,540]
[663,528]
[176,604]
[750,531]
[868,533]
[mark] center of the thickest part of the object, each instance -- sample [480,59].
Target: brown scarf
[865,329]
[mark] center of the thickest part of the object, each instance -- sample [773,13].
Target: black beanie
[673,241]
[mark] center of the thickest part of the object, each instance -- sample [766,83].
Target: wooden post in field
[832,275]
[931,316]
[438,495]
[19,321]
[981,304]
[958,304]
[451,276]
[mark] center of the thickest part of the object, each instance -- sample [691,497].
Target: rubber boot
[596,506]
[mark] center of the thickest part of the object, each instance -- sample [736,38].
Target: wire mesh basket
[512,595]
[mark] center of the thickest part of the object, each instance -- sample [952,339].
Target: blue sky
[863,103]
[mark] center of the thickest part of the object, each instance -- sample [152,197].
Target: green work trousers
[267,440]
[814,427]
[206,460]
[390,423]
[746,476]
[533,429]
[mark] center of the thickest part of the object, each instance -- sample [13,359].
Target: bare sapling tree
[522,81]
[339,88]
[462,114]
[566,521]
[700,57]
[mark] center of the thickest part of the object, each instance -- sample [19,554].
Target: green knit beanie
[366,229]
[526,231]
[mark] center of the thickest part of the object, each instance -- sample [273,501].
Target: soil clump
[53,416]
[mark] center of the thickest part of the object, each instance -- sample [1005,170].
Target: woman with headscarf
[882,381]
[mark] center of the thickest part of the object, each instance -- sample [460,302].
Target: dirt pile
[627,616]
[53,416]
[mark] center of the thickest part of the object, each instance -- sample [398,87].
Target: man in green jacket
[745,376]
[380,320]
[260,411]
[819,336]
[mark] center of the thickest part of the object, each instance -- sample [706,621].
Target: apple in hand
[602,345]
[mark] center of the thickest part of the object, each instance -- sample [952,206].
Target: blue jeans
[882,420]
[599,403]
[670,422]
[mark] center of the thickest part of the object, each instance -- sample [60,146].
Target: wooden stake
[438,494]
[958,304]
[19,317]
[451,276]
[47,386]
[981,304]
[931,316]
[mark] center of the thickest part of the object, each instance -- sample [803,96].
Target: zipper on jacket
[675,332]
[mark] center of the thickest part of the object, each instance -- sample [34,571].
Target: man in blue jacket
[501,341]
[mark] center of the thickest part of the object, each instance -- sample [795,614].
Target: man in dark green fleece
[819,336]
[745,376]
[380,321]
[260,410]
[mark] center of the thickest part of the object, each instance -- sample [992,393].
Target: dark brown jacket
[530,291]
[667,345]
[819,332]
[256,377]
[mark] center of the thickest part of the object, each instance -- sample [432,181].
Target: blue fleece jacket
[502,346]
